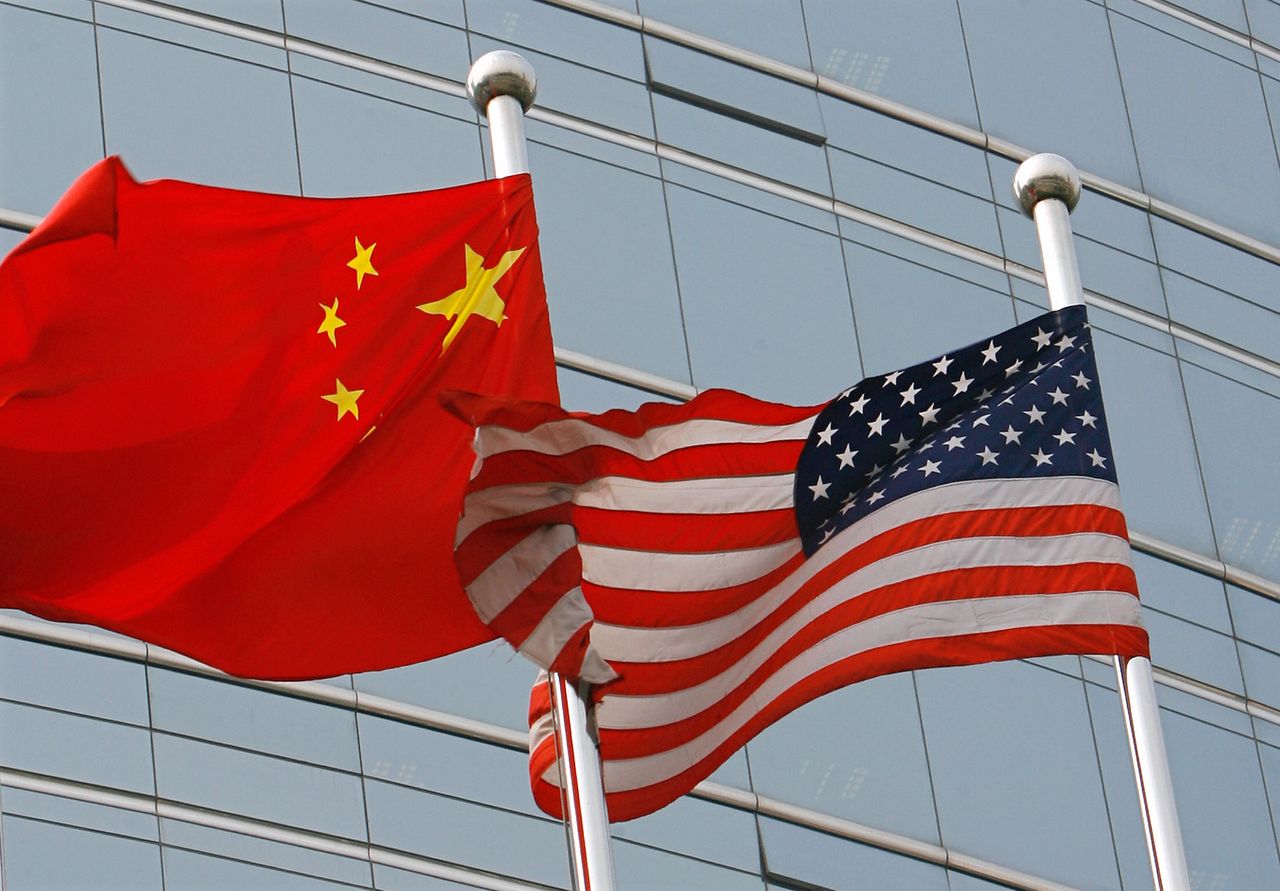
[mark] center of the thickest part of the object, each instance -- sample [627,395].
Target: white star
[941,366]
[848,506]
[1066,343]
[954,443]
[1058,397]
[1011,435]
[1035,415]
[899,472]
[824,436]
[1039,368]
[1098,460]
[929,415]
[931,467]
[875,496]
[827,535]
[909,394]
[1013,369]
[1042,338]
[819,490]
[875,471]
[1008,400]
[1041,457]
[1081,380]
[877,426]
[961,383]
[981,421]
[902,444]
[846,457]
[989,354]
[856,407]
[986,394]
[987,456]
[891,380]
[1063,437]
[1087,419]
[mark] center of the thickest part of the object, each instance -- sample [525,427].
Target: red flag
[219,429]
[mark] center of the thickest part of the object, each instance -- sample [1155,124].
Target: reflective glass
[1215,263]
[47,857]
[632,156]
[181,113]
[701,829]
[73,680]
[268,853]
[85,749]
[913,53]
[585,392]
[1182,592]
[991,276]
[387,878]
[464,832]
[251,12]
[830,757]
[1257,618]
[1261,674]
[1225,12]
[561,32]
[1031,92]
[353,144]
[189,871]
[744,194]
[1224,316]
[606,255]
[259,786]
[451,12]
[1264,20]
[190,35]
[1193,651]
[382,34]
[1198,708]
[816,860]
[44,152]
[253,719]
[56,809]
[641,868]
[1191,33]
[759,294]
[772,28]
[1011,742]
[1201,130]
[1235,428]
[76,9]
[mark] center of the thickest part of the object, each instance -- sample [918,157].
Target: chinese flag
[219,424]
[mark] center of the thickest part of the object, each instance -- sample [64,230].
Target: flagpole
[1048,187]
[502,86]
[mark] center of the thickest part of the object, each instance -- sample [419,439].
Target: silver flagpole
[1048,187]
[502,87]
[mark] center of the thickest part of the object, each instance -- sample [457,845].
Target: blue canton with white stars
[1025,403]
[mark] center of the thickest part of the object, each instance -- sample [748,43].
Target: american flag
[717,564]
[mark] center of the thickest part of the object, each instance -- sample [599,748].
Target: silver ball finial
[1046,176]
[501,73]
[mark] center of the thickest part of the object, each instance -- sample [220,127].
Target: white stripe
[923,622]
[502,502]
[557,626]
[561,437]
[662,644]
[505,578]
[731,495]
[643,570]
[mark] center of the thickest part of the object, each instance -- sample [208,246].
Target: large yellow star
[477,297]
[331,322]
[345,400]
[362,262]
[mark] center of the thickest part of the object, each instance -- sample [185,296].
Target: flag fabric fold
[715,565]
[219,423]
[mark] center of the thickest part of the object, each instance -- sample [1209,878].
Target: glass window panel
[701,829]
[387,878]
[1182,592]
[1226,12]
[1257,618]
[907,313]
[993,277]
[1125,277]
[73,680]
[806,214]
[259,786]
[1215,263]
[189,871]
[1221,804]
[44,152]
[169,31]
[463,832]
[736,771]
[1271,90]
[1270,758]
[1233,424]
[55,809]
[267,853]
[611,288]
[1224,316]
[1193,34]
[1201,130]
[251,12]
[1264,20]
[448,11]
[378,86]
[166,107]
[1159,478]
[1261,673]
[1200,709]
[913,53]
[1228,367]
[827,757]
[254,719]
[1012,742]
[741,144]
[9,239]
[586,392]
[353,144]
[740,297]
[639,868]
[773,28]
[632,156]
[76,9]
[1029,91]
[45,857]
[561,32]
[815,859]
[84,749]
[382,34]
[1193,651]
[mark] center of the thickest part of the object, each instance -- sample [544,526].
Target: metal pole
[502,87]
[1048,187]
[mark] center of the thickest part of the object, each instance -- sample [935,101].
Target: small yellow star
[345,400]
[362,262]
[331,322]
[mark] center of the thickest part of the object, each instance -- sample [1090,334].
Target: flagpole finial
[501,73]
[1046,176]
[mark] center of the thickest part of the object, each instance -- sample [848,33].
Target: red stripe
[523,614]
[490,542]
[685,533]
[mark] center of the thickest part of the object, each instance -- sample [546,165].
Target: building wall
[717,218]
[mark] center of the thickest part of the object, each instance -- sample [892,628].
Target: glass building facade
[777,196]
